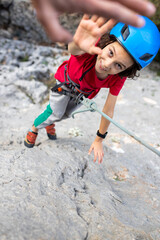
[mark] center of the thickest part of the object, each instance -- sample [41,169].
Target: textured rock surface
[156,17]
[55,191]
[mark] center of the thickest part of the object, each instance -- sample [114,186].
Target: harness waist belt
[69,87]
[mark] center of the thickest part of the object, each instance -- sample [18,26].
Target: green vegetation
[156,17]
[158,72]
[24,59]
[156,20]
[45,63]
[51,82]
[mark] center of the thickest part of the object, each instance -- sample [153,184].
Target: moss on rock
[156,17]
[156,20]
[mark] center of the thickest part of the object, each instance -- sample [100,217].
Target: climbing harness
[70,88]
[92,106]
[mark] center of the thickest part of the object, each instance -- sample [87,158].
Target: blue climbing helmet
[141,43]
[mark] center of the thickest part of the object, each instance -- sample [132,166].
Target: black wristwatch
[101,135]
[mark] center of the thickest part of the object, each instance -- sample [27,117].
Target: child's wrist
[100,135]
[98,139]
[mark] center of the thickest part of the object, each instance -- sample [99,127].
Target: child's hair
[130,72]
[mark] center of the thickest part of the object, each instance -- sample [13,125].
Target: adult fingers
[140,6]
[90,6]
[49,19]
[115,10]
[56,32]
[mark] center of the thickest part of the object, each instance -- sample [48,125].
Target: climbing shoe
[51,132]
[30,139]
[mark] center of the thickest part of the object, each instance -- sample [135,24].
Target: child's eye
[110,53]
[118,66]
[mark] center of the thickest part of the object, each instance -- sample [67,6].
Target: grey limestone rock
[19,19]
[6,3]
[35,90]
[55,191]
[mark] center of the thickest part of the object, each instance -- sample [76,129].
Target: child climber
[99,59]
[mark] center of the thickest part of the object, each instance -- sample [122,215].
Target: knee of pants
[58,114]
[43,116]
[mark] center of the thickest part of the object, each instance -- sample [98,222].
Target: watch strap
[101,135]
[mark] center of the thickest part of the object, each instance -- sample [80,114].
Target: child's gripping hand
[89,31]
[97,147]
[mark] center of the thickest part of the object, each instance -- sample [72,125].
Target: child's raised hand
[89,31]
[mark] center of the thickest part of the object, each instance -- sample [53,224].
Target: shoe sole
[29,145]
[52,137]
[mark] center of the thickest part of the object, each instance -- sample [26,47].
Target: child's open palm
[89,31]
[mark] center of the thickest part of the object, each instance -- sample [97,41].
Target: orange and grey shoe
[30,139]
[51,132]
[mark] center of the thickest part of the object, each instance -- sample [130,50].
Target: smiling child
[99,59]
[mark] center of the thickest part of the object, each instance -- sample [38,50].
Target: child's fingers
[108,25]
[90,150]
[85,17]
[95,157]
[100,21]
[95,50]
[111,22]
[94,18]
[100,157]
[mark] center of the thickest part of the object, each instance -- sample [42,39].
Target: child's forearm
[108,109]
[97,145]
[104,125]
[74,49]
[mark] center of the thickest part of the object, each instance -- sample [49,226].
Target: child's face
[114,59]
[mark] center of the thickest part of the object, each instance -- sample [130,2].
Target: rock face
[18,20]
[55,191]
[156,17]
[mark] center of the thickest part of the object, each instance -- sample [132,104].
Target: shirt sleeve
[117,86]
[82,57]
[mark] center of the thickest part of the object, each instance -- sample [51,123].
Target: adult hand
[122,10]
